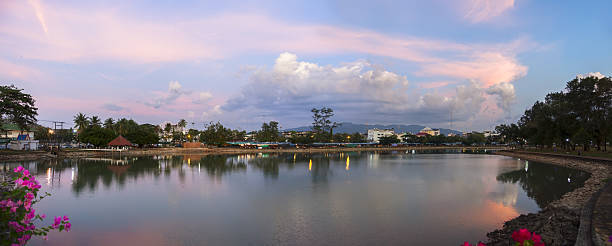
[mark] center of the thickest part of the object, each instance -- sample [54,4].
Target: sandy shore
[558,222]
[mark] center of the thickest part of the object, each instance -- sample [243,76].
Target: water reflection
[542,182]
[356,198]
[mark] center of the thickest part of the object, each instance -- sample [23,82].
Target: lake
[353,198]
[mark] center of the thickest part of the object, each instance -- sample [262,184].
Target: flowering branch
[18,216]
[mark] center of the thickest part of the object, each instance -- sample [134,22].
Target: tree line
[93,131]
[579,116]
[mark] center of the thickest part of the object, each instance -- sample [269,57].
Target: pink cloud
[484,10]
[488,68]
[104,34]
[435,84]
[16,71]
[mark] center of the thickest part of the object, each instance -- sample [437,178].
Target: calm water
[359,198]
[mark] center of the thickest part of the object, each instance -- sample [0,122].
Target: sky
[478,62]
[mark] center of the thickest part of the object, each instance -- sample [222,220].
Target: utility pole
[55,139]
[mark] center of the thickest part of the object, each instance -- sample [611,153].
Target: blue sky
[245,62]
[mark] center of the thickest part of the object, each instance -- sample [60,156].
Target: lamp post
[50,134]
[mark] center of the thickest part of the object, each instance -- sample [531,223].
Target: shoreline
[558,223]
[41,155]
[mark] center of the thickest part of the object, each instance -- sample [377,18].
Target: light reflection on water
[357,198]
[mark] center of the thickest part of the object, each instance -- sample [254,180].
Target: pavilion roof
[120,141]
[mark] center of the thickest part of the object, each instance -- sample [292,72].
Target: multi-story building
[429,131]
[375,134]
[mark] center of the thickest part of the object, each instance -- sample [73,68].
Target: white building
[429,131]
[17,139]
[375,134]
[490,133]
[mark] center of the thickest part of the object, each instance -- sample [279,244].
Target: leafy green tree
[145,134]
[322,126]
[269,132]
[17,107]
[97,136]
[238,135]
[178,136]
[193,134]
[474,138]
[411,138]
[215,134]
[357,138]
[125,126]
[388,140]
[579,115]
[301,139]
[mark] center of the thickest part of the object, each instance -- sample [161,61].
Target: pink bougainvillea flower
[68,226]
[56,221]
[481,244]
[521,235]
[18,169]
[536,238]
[465,244]
[65,218]
[26,173]
[29,196]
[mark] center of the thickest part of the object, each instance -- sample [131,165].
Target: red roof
[422,134]
[120,141]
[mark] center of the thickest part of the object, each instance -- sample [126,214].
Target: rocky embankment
[559,222]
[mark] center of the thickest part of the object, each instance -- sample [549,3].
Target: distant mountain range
[348,127]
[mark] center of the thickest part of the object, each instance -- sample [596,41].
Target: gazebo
[120,141]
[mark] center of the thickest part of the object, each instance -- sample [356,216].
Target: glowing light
[48,175]
[347,163]
[526,166]
[189,161]
[72,175]
[310,165]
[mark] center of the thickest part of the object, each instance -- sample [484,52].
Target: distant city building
[422,134]
[401,136]
[16,138]
[12,131]
[291,134]
[489,133]
[375,134]
[429,131]
[167,136]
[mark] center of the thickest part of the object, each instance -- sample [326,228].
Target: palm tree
[81,121]
[108,123]
[95,121]
[182,124]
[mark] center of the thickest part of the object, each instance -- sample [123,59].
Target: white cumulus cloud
[359,91]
